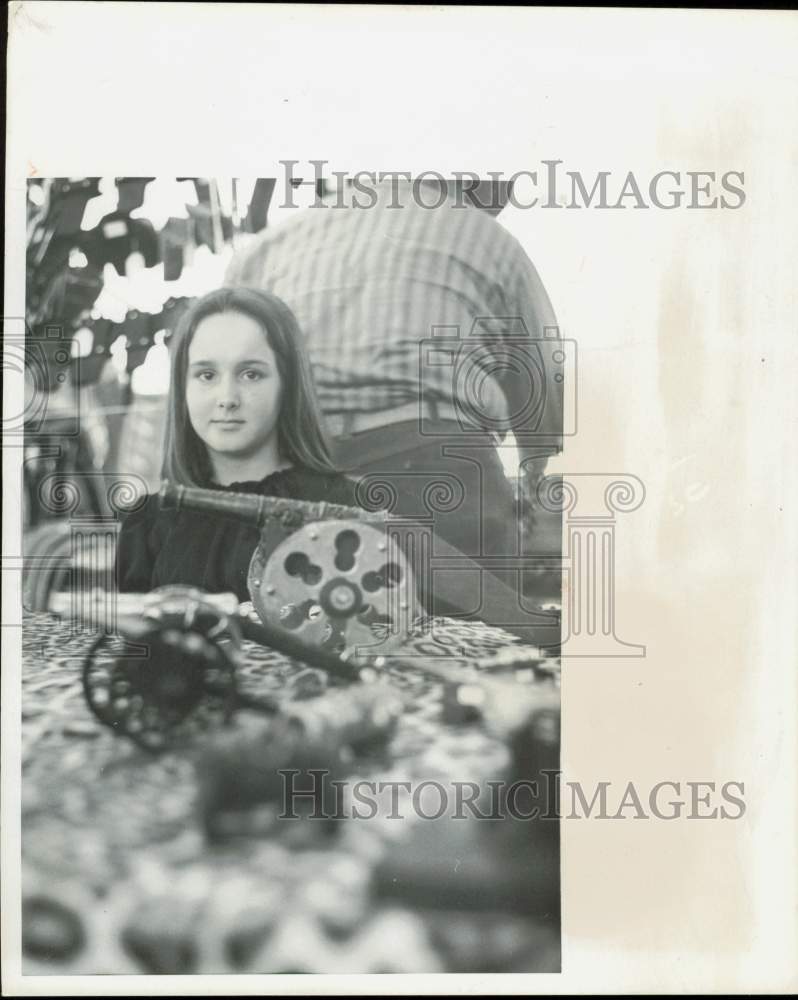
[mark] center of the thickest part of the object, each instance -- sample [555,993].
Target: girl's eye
[204,376]
[252,376]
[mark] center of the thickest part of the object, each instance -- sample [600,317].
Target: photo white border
[481,89]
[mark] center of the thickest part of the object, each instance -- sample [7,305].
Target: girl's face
[233,387]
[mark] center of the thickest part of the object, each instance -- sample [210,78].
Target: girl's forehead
[229,337]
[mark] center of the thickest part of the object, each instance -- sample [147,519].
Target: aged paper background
[686,327]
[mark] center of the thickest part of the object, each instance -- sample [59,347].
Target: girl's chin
[226,446]
[233,449]
[232,452]
[228,442]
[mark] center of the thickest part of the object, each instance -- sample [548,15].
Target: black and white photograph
[399,555]
[295,587]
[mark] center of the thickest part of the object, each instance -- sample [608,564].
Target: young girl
[242,417]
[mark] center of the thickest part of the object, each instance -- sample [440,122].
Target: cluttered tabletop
[193,860]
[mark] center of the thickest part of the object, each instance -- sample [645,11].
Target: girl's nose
[228,397]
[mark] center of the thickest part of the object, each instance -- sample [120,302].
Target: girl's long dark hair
[300,437]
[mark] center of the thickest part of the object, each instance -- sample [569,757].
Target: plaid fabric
[368,285]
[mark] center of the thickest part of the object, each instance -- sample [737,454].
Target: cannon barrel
[258,510]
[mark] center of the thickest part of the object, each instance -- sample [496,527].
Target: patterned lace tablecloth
[118,877]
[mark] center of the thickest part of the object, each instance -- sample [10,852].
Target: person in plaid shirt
[414,394]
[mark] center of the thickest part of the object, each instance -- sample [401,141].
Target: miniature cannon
[179,661]
[329,572]
[331,575]
[331,585]
[325,572]
[181,650]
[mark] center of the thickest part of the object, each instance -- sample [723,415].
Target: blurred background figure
[429,330]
